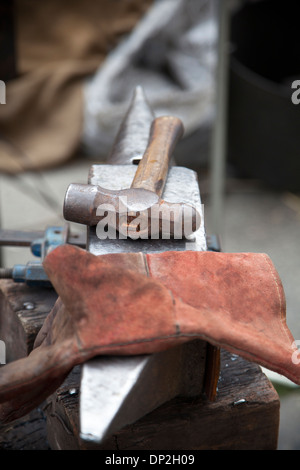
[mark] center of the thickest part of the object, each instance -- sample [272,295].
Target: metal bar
[26,238]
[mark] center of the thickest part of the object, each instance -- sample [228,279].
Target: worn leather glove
[106,306]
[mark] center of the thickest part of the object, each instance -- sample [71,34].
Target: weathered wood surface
[23,310]
[245,415]
[27,433]
[19,326]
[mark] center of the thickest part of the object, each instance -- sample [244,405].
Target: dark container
[263,122]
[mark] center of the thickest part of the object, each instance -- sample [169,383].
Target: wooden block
[245,415]
[27,433]
[18,329]
[23,310]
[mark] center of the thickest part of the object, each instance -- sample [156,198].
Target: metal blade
[117,391]
[132,138]
[105,385]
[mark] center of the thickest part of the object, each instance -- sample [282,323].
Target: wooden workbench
[245,414]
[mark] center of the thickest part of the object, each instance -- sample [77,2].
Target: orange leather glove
[106,306]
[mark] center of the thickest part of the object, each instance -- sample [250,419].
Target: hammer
[139,211]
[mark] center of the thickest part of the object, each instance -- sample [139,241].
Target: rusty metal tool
[117,391]
[138,212]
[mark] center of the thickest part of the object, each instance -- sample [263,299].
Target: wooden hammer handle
[153,168]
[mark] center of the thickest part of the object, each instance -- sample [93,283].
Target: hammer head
[134,213]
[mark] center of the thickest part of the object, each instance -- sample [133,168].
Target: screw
[28,305]
[239,402]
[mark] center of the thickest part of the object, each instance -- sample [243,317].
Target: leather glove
[106,306]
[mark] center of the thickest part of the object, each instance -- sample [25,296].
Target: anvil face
[181,186]
[139,213]
[105,409]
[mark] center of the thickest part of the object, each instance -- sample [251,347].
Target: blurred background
[228,69]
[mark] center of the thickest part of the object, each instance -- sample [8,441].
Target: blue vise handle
[32,273]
